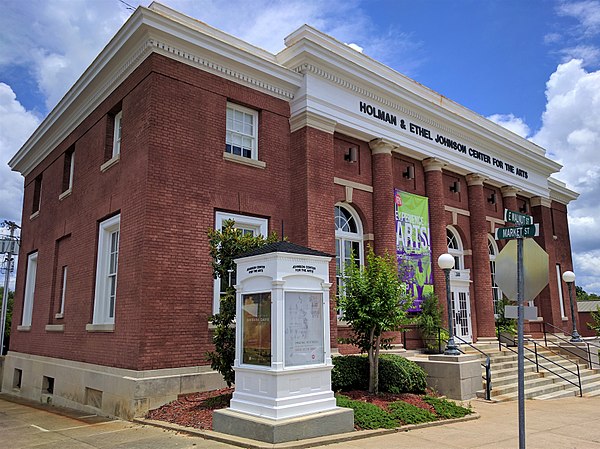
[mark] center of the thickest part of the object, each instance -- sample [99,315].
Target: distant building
[585,309]
[176,127]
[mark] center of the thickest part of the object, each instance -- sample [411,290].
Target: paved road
[561,423]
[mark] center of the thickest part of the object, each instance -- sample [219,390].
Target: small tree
[595,326]
[430,321]
[225,245]
[374,301]
[9,310]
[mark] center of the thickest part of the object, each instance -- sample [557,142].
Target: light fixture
[351,155]
[492,198]
[446,263]
[523,208]
[455,187]
[569,278]
[409,173]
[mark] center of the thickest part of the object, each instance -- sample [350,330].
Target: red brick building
[177,126]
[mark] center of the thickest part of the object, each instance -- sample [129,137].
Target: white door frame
[460,293]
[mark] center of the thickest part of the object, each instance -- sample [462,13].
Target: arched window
[455,248]
[348,240]
[496,292]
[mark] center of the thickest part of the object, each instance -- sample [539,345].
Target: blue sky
[530,65]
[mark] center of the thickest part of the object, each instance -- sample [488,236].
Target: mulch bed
[193,410]
[196,409]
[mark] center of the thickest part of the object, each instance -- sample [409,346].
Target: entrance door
[461,306]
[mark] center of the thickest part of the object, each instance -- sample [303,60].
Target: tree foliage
[430,321]
[582,295]
[595,325]
[225,245]
[9,311]
[374,301]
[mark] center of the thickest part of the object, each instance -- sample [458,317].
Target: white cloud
[571,134]
[587,53]
[512,123]
[587,12]
[16,126]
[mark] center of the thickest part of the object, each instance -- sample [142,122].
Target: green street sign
[518,232]
[517,218]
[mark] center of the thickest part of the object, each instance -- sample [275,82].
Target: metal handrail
[537,365]
[590,362]
[487,365]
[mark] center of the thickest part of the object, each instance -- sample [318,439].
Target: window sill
[55,327]
[244,160]
[109,163]
[100,327]
[65,194]
[24,328]
[34,215]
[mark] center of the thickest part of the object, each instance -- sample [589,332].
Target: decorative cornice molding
[306,118]
[433,164]
[475,179]
[354,185]
[218,69]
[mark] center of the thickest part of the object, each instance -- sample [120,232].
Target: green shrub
[350,372]
[410,414]
[366,415]
[400,375]
[447,409]
[397,374]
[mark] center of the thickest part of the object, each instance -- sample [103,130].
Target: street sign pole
[521,361]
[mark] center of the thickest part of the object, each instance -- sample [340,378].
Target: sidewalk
[556,424]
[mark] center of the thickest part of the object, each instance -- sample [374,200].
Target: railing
[537,363]
[590,360]
[486,364]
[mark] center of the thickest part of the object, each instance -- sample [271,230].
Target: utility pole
[10,250]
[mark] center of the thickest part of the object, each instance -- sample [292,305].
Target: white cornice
[560,193]
[148,31]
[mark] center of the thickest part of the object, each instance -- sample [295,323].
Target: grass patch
[406,413]
[381,414]
[447,409]
[366,415]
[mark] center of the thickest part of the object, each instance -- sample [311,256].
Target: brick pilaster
[384,226]
[548,299]
[437,224]
[480,273]
[509,198]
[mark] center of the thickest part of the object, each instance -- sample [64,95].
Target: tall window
[37,194]
[348,242]
[116,148]
[106,271]
[69,166]
[248,225]
[561,297]
[455,247]
[29,289]
[63,292]
[242,131]
[496,292]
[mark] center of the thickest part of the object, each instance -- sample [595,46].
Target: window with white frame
[496,292]
[242,131]
[68,169]
[116,148]
[29,289]
[106,271]
[348,243]
[561,298]
[248,225]
[455,248]
[63,292]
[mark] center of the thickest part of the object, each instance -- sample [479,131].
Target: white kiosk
[283,355]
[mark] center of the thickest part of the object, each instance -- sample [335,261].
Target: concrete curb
[300,444]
